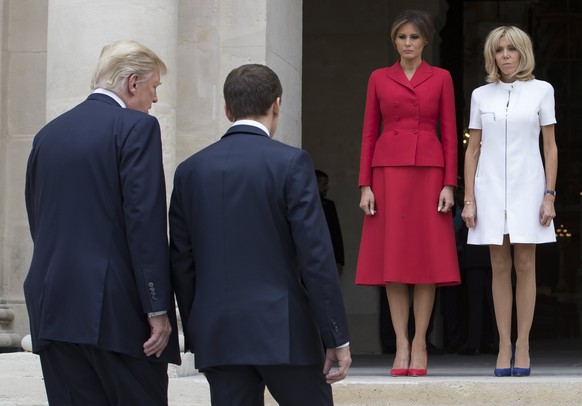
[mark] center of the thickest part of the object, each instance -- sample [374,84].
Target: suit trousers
[290,385]
[78,374]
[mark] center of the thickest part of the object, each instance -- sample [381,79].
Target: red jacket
[401,118]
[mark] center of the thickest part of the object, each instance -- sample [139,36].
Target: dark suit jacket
[401,119]
[251,257]
[96,205]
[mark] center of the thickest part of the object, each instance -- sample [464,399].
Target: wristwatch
[550,192]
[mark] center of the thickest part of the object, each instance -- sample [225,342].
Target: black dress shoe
[469,351]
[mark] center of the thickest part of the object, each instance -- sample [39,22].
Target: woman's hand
[367,201]
[446,199]
[547,211]
[469,214]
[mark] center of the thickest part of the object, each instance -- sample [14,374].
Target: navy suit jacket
[96,203]
[251,257]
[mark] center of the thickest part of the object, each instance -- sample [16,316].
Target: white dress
[510,180]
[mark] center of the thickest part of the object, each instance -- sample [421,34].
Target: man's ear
[132,84]
[276,107]
[229,115]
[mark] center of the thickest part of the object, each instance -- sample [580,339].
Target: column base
[9,341]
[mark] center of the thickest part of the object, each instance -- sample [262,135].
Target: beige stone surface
[452,380]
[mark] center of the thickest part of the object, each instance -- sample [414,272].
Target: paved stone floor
[453,380]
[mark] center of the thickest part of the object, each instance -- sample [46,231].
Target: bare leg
[399,302]
[502,298]
[422,305]
[525,299]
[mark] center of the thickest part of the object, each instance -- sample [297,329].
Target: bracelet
[469,202]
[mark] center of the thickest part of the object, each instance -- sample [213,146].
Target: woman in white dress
[509,197]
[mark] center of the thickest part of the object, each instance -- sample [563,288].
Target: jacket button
[397,118]
[395,104]
[395,132]
[414,131]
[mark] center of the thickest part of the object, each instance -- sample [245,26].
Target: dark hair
[320,174]
[420,19]
[250,90]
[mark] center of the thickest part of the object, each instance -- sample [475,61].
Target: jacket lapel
[423,72]
[396,73]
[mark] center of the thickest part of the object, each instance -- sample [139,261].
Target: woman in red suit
[407,177]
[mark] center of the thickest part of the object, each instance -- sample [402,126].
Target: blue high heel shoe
[506,371]
[502,371]
[521,371]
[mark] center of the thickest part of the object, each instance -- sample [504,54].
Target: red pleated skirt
[408,240]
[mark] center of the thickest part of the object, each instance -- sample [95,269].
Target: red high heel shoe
[400,371]
[419,372]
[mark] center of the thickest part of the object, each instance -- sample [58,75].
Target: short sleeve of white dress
[547,105]
[475,114]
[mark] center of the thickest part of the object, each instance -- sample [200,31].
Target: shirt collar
[252,123]
[110,94]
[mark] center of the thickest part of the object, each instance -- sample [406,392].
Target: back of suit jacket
[252,261]
[95,198]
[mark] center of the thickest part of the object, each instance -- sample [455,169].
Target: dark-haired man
[252,261]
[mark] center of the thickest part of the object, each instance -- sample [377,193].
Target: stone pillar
[216,36]
[284,35]
[22,80]
[77,30]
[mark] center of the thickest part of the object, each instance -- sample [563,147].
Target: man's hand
[344,360]
[160,334]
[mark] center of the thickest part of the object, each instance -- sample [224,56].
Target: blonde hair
[522,43]
[121,59]
[420,19]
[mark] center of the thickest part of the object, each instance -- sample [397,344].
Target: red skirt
[408,240]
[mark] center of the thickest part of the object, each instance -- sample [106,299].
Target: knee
[501,265]
[525,263]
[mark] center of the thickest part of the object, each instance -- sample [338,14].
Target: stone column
[77,30]
[216,36]
[22,103]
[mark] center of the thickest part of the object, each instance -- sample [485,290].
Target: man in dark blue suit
[252,262]
[98,291]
